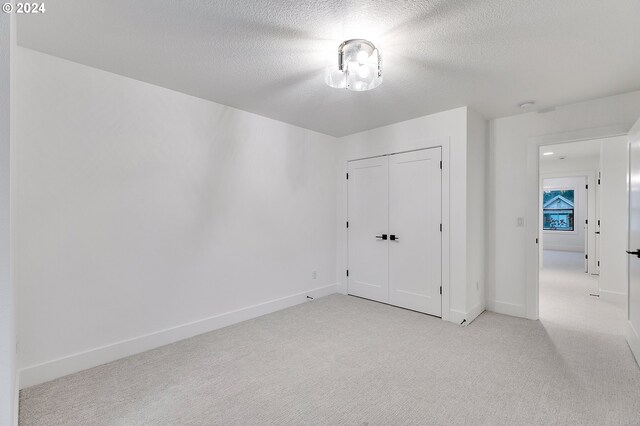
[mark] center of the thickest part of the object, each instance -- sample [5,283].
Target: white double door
[394,229]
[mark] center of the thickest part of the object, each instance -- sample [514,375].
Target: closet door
[368,215]
[415,243]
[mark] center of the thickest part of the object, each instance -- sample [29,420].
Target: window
[557,210]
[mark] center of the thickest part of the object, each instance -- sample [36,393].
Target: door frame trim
[532,207]
[444,145]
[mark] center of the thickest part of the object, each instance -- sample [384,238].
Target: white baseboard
[507,308]
[613,296]
[16,405]
[40,373]
[459,316]
[634,340]
[475,312]
[456,316]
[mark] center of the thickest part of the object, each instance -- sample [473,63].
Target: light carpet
[349,361]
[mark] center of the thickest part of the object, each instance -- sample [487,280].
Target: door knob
[393,238]
[635,253]
[381,237]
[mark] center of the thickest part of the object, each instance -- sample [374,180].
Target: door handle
[381,237]
[393,238]
[635,253]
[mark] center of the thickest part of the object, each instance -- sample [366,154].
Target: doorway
[582,231]
[568,226]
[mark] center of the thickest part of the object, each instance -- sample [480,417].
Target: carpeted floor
[565,299]
[344,360]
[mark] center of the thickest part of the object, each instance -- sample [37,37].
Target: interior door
[597,223]
[634,236]
[415,240]
[585,202]
[368,213]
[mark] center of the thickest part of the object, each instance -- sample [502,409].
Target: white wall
[144,215]
[568,240]
[419,133]
[614,218]
[7,327]
[506,283]
[476,211]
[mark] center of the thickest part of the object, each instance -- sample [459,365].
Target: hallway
[587,333]
[565,301]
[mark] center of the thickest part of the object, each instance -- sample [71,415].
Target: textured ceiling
[268,57]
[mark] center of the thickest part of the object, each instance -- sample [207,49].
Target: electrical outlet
[314,275]
[520,222]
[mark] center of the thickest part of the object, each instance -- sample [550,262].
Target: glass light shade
[359,67]
[336,78]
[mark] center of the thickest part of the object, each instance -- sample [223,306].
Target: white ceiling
[572,150]
[268,57]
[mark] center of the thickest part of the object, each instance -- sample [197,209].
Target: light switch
[520,222]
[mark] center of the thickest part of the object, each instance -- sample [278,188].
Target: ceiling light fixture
[547,153]
[359,66]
